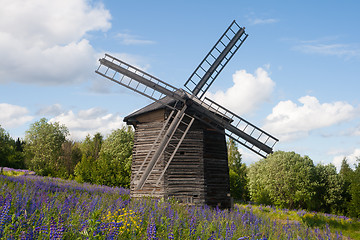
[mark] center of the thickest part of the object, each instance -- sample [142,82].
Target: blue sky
[296,75]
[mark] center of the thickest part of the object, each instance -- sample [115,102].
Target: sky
[296,76]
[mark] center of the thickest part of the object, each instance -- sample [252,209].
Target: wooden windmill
[179,145]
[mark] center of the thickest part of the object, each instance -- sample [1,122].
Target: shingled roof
[151,107]
[163,103]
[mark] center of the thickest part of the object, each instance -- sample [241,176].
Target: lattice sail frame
[214,62]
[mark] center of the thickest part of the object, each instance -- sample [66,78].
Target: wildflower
[151,231]
[4,213]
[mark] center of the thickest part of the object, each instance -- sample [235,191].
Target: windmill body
[180,146]
[198,173]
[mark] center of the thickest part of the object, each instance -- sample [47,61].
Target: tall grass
[33,207]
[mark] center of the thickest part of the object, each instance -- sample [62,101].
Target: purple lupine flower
[59,231]
[171,236]
[52,229]
[151,231]
[30,234]
[4,215]
[192,226]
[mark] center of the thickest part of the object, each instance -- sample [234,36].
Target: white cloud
[247,93]
[351,159]
[340,50]
[52,110]
[256,21]
[289,120]
[44,41]
[13,116]
[89,121]
[128,39]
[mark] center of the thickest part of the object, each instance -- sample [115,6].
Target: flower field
[33,207]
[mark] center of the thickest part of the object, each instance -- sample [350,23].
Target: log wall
[216,169]
[144,137]
[198,174]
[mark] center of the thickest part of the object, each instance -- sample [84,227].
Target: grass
[349,227]
[14,172]
[33,207]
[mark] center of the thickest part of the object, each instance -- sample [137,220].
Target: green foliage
[85,170]
[346,173]
[237,173]
[113,166]
[257,187]
[92,146]
[11,152]
[70,156]
[284,178]
[329,189]
[5,147]
[351,188]
[43,148]
[354,190]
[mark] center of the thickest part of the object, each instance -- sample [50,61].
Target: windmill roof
[156,105]
[149,108]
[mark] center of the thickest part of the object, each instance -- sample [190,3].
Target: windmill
[180,146]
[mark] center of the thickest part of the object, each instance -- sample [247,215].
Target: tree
[114,163]
[70,156]
[44,147]
[11,154]
[284,179]
[346,174]
[329,187]
[113,166]
[354,190]
[92,146]
[86,170]
[257,187]
[5,147]
[237,172]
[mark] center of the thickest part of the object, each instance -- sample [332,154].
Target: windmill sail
[137,80]
[242,131]
[205,74]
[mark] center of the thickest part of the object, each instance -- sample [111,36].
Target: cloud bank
[290,120]
[80,123]
[13,116]
[245,95]
[89,121]
[45,42]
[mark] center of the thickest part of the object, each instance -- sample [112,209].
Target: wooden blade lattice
[224,49]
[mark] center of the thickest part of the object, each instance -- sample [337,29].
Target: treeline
[283,179]
[47,151]
[288,180]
